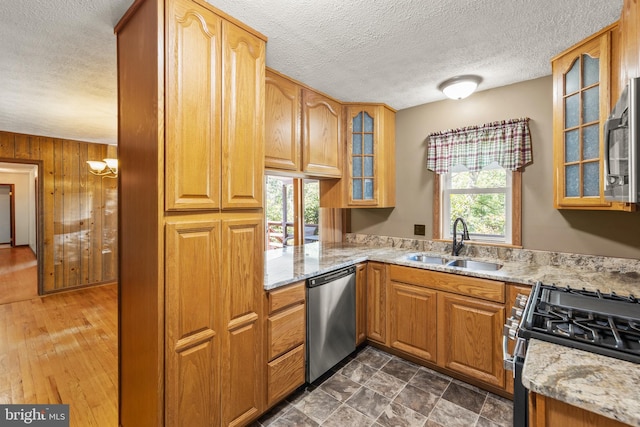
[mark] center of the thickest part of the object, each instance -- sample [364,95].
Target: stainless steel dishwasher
[331,320]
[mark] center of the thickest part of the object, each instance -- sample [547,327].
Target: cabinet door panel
[282,123]
[412,320]
[363,144]
[322,135]
[582,82]
[243,118]
[241,306]
[192,175]
[361,303]
[192,281]
[376,302]
[470,337]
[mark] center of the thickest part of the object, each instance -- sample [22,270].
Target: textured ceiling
[58,66]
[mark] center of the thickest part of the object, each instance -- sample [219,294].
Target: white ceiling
[58,66]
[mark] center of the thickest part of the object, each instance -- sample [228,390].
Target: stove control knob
[517,312]
[511,328]
[521,300]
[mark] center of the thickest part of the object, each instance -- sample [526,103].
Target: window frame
[515,217]
[299,237]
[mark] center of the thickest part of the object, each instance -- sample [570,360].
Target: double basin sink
[466,264]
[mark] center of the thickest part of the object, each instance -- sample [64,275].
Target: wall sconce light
[107,168]
[460,87]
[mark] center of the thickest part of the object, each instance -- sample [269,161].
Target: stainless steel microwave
[621,132]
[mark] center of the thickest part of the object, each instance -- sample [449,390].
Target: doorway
[20,269]
[7,213]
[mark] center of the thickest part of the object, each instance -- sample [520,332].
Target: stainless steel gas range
[603,323]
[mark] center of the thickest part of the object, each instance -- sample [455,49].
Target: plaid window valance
[506,142]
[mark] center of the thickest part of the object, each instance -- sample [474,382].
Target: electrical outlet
[419,229]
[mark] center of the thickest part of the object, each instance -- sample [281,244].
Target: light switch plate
[419,229]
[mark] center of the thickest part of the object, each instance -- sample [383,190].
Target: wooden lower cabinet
[285,374]
[286,335]
[448,320]
[285,330]
[213,308]
[193,336]
[241,305]
[361,303]
[470,337]
[377,302]
[412,320]
[547,412]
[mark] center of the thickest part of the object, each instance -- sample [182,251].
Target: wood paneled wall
[78,210]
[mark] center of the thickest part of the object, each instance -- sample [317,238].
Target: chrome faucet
[457,246]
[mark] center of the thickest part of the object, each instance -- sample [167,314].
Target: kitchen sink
[474,265]
[426,259]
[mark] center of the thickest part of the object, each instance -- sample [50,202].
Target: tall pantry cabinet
[191,146]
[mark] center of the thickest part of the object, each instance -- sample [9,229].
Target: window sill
[478,243]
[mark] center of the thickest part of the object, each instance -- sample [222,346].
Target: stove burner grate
[605,327]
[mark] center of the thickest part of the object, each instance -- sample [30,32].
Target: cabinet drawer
[284,297]
[286,330]
[285,374]
[455,283]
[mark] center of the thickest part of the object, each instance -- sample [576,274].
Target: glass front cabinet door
[582,98]
[371,156]
[361,147]
[369,178]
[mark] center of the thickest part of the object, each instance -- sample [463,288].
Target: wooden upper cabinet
[629,45]
[193,104]
[369,173]
[582,79]
[322,135]
[371,156]
[282,123]
[215,112]
[243,68]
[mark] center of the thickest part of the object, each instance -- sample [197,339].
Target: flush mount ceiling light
[459,87]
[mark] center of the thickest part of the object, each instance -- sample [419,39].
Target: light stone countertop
[295,263]
[597,383]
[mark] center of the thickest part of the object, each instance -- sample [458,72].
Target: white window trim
[445,209]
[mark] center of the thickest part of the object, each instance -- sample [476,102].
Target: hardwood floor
[18,274]
[63,348]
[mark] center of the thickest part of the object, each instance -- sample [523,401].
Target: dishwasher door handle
[330,277]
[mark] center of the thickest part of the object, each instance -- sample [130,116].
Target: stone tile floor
[374,388]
